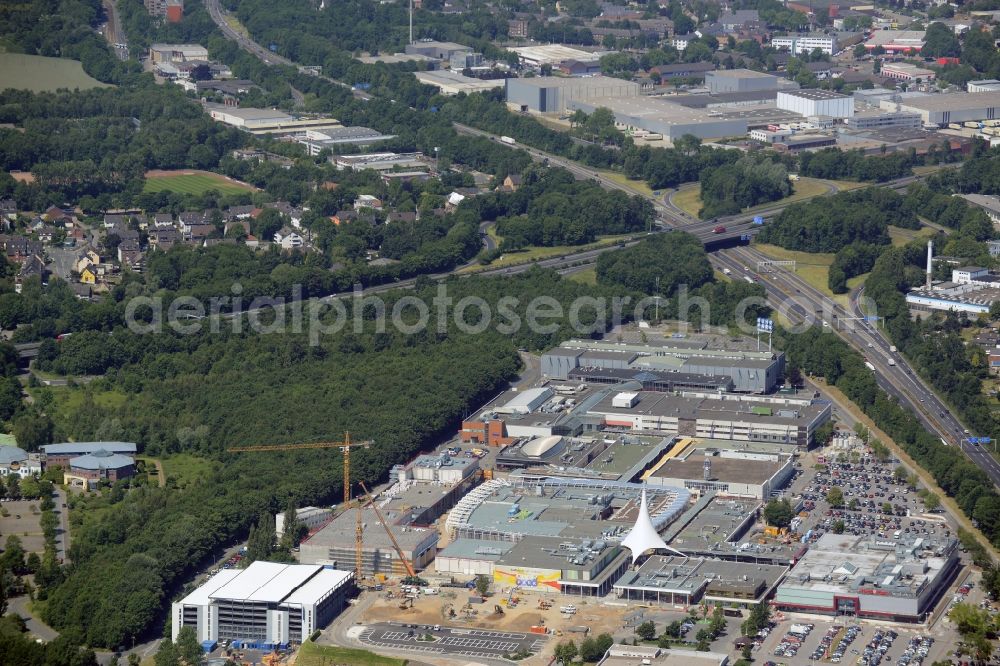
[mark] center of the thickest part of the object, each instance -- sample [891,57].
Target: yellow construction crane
[395,544]
[345,447]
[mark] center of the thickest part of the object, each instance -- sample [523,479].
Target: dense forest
[747,182]
[826,224]
[675,267]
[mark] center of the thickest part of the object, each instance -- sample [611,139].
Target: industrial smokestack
[930,257]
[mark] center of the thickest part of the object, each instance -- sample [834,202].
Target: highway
[799,301]
[112,30]
[791,294]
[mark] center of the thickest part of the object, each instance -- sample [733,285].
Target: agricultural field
[41,74]
[188,181]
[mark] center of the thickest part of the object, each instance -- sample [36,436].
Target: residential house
[367,201]
[82,291]
[31,267]
[237,224]
[680,42]
[86,257]
[344,216]
[89,275]
[58,215]
[188,219]
[404,216]
[130,255]
[741,20]
[453,201]
[111,221]
[288,238]
[19,248]
[46,234]
[512,182]
[198,233]
[36,225]
[821,70]
[8,209]
[240,212]
[517,28]
[164,239]
[163,220]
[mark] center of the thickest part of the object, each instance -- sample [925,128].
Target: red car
[719,230]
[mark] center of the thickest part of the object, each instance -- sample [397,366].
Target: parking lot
[875,501]
[851,643]
[450,640]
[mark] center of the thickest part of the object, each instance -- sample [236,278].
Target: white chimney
[930,266]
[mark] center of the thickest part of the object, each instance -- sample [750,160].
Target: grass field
[186,468]
[688,199]
[902,236]
[192,182]
[68,400]
[311,654]
[535,253]
[41,74]
[586,276]
[638,186]
[813,268]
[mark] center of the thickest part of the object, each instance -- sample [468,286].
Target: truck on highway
[748,279]
[506,139]
[726,271]
[893,349]
[891,361]
[869,366]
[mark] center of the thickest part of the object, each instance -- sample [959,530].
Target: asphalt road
[466,641]
[898,379]
[799,301]
[112,31]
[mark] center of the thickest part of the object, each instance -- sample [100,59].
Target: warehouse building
[748,371]
[740,80]
[660,116]
[877,119]
[897,41]
[452,83]
[808,103]
[437,50]
[869,577]
[550,94]
[248,118]
[943,109]
[708,418]
[673,580]
[552,54]
[61,454]
[316,140]
[312,517]
[333,545]
[902,71]
[266,605]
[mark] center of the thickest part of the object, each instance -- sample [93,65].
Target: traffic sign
[765,325]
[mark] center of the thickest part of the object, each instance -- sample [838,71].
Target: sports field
[192,182]
[41,74]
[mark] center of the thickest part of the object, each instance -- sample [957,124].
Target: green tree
[566,652]
[835,497]
[853,504]
[188,647]
[778,513]
[886,507]
[646,631]
[167,654]
[931,501]
[483,585]
[32,430]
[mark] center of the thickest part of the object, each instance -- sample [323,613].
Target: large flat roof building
[724,469]
[452,83]
[661,116]
[741,80]
[943,109]
[812,102]
[672,580]
[333,545]
[896,580]
[552,54]
[60,454]
[437,50]
[551,94]
[267,604]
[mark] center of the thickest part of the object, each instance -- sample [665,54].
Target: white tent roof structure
[644,536]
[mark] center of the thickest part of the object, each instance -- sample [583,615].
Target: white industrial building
[452,83]
[249,118]
[799,44]
[552,54]
[810,103]
[982,85]
[265,604]
[943,109]
[310,516]
[553,94]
